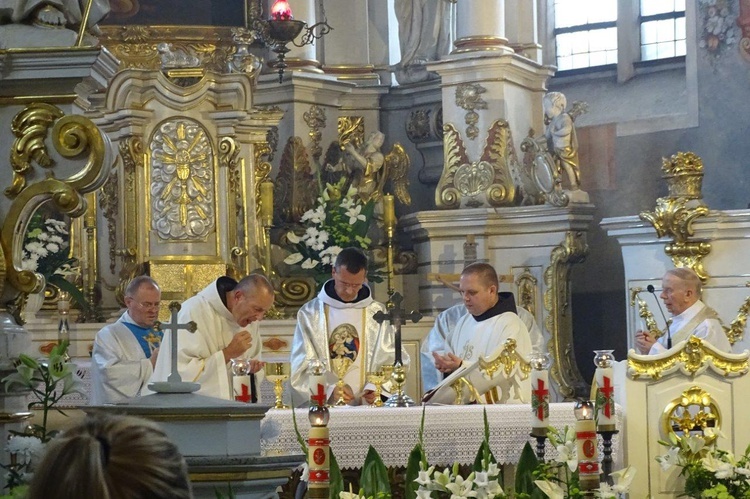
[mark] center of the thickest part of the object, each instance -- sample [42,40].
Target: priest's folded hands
[446,363]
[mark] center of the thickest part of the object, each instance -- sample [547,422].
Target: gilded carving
[418,125]
[695,409]
[693,357]
[469,98]
[30,127]
[108,204]
[351,129]
[272,139]
[316,120]
[644,312]
[182,181]
[295,291]
[526,284]
[293,194]
[228,155]
[138,46]
[674,214]
[72,137]
[736,330]
[486,182]
[507,360]
[559,320]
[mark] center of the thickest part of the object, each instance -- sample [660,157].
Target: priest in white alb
[226,314]
[126,351]
[339,323]
[491,321]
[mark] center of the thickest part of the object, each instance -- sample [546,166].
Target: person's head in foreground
[111,457]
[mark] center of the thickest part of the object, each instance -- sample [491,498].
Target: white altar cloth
[451,433]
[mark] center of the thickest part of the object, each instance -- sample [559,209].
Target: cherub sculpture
[554,155]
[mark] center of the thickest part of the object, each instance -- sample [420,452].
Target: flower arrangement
[46,250]
[49,380]
[708,471]
[340,220]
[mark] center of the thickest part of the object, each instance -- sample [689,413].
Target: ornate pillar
[480,26]
[521,28]
[347,48]
[303,58]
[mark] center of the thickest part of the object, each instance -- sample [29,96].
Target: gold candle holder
[376,378]
[278,372]
[340,367]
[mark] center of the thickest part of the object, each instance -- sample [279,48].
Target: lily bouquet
[339,220]
[708,471]
[46,250]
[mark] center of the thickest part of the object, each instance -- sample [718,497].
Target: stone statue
[368,161]
[47,23]
[561,136]
[424,32]
[553,156]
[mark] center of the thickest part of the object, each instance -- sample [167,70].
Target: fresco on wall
[744,22]
[718,31]
[177,12]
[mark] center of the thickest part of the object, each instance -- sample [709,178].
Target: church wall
[661,105]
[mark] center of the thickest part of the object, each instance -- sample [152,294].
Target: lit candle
[281,11]
[266,203]
[389,211]
[588,452]
[539,393]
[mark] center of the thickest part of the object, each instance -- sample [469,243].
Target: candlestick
[318,442]
[605,391]
[389,211]
[266,203]
[241,380]
[540,363]
[588,451]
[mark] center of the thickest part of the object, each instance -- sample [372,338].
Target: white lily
[354,214]
[309,263]
[552,490]
[622,478]
[292,237]
[671,458]
[293,259]
[567,454]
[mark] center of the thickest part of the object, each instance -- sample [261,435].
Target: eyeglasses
[147,305]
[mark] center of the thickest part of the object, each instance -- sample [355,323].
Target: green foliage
[43,378]
[374,477]
[484,454]
[220,495]
[527,464]
[336,479]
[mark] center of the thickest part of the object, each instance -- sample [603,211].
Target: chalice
[340,367]
[278,372]
[376,378]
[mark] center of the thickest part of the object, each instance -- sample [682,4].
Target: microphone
[650,289]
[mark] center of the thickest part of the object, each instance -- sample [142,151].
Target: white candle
[241,388]
[539,400]
[605,396]
[317,389]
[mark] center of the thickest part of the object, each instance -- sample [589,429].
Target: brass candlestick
[399,398]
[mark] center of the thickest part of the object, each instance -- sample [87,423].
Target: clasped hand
[446,363]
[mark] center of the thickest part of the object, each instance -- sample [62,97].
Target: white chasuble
[119,366]
[199,355]
[472,339]
[326,325]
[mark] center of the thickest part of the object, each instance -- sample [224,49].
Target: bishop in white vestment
[125,352]
[227,315]
[339,323]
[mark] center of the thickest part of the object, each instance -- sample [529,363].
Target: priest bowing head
[227,314]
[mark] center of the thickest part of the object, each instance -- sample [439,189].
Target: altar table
[451,433]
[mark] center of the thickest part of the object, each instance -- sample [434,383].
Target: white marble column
[480,26]
[303,58]
[347,48]
[521,28]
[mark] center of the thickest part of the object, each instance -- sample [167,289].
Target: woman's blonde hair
[111,457]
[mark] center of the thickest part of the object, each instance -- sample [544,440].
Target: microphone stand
[667,322]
